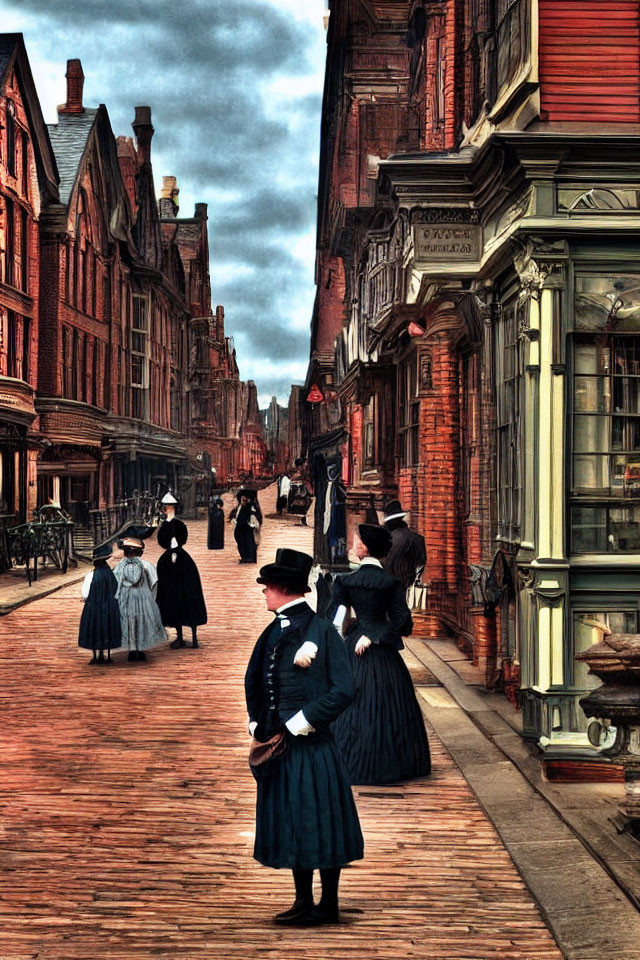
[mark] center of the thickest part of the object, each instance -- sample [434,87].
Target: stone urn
[615,660]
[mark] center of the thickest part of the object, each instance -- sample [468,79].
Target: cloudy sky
[235,90]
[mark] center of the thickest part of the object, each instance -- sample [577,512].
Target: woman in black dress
[215,530]
[246,518]
[382,734]
[179,595]
[100,627]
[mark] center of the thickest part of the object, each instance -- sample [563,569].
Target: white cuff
[308,649]
[252,727]
[298,725]
[341,613]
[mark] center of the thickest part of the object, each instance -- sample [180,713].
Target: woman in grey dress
[142,626]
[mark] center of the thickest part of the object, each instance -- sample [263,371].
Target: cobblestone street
[127,808]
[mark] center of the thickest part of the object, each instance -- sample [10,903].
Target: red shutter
[590,60]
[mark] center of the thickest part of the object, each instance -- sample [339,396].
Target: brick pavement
[126,810]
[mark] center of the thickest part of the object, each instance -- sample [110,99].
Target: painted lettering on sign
[445,241]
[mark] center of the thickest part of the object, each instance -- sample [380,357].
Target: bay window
[605,488]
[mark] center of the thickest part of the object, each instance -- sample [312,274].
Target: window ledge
[605,559]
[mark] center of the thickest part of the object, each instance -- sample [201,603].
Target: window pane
[607,301]
[591,474]
[624,529]
[588,530]
[591,434]
[626,356]
[591,395]
[625,433]
[591,358]
[136,370]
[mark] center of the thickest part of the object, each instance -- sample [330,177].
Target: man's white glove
[252,727]
[298,725]
[305,654]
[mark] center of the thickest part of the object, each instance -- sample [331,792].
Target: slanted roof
[13,54]
[69,140]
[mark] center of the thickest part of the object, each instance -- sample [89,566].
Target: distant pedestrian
[100,627]
[246,519]
[381,735]
[407,556]
[282,496]
[179,592]
[142,626]
[297,683]
[215,528]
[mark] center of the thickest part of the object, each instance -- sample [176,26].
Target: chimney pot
[75,85]
[201,211]
[143,130]
[169,198]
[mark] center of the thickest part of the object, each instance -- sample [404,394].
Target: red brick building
[28,184]
[115,375]
[471,246]
[221,424]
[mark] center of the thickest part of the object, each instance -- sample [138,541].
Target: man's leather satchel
[264,757]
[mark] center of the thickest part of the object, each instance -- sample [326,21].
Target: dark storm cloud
[202,66]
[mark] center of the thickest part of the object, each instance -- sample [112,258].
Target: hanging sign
[415,330]
[315,396]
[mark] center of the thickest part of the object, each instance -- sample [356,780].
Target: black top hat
[291,569]
[376,539]
[103,551]
[245,492]
[394,509]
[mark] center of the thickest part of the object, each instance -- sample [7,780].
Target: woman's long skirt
[306,817]
[140,618]
[100,627]
[243,534]
[179,592]
[381,735]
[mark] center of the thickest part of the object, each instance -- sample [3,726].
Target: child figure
[100,628]
[139,614]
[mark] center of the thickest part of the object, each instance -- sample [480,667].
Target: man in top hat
[298,681]
[408,555]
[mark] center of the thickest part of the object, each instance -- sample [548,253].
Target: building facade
[28,184]
[483,368]
[116,378]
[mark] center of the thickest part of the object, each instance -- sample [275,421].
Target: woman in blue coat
[298,681]
[381,734]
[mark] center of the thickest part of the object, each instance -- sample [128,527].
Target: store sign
[447,242]
[315,396]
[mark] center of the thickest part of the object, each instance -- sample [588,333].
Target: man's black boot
[300,910]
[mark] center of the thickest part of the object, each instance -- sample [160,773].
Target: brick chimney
[168,203]
[143,130]
[200,211]
[219,323]
[75,84]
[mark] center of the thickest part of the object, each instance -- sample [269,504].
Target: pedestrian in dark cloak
[139,614]
[246,519]
[215,529]
[407,554]
[298,681]
[179,593]
[100,627]
[381,734]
